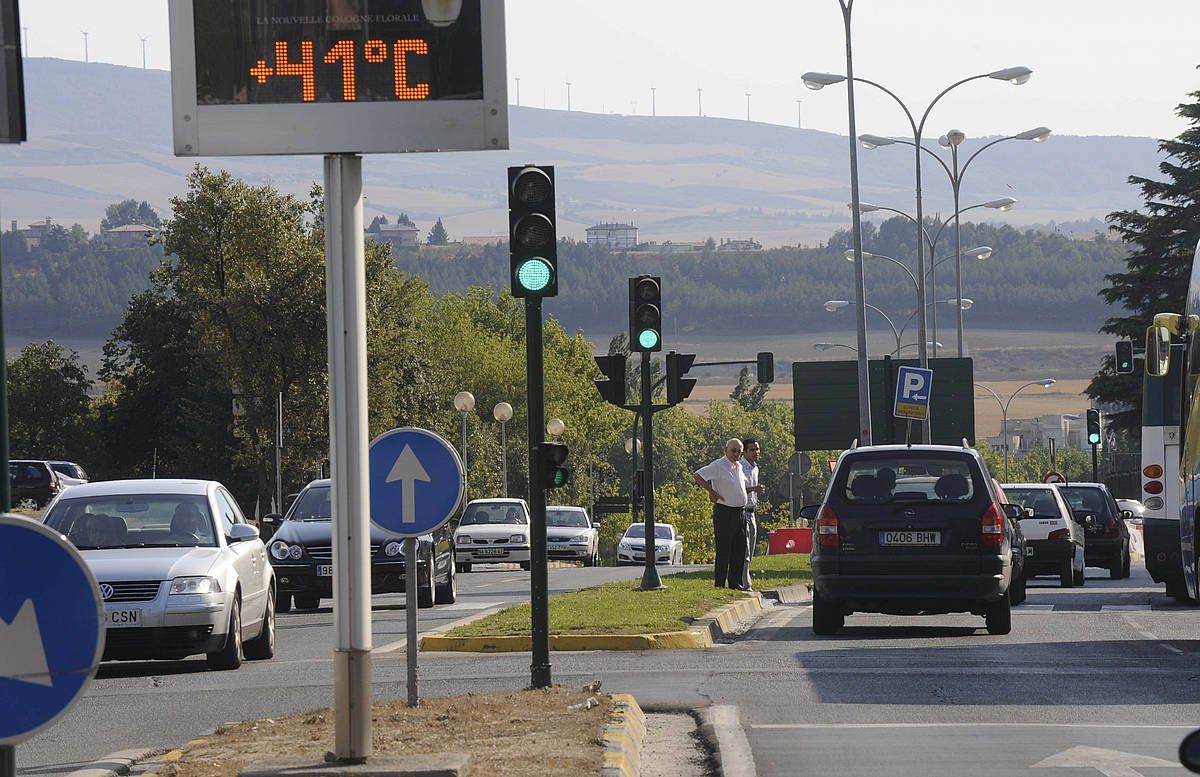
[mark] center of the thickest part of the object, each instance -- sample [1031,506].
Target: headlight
[518,538]
[296,552]
[463,539]
[579,538]
[195,585]
[623,544]
[279,549]
[392,549]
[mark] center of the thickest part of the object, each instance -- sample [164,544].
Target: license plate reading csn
[124,619]
[910,538]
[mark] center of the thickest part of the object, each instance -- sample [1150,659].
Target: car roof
[1043,486]
[656,525]
[497,500]
[913,448]
[144,486]
[566,507]
[1082,485]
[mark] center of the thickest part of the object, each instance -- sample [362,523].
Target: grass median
[619,608]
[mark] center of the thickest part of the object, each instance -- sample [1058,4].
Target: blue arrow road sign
[416,480]
[912,393]
[51,627]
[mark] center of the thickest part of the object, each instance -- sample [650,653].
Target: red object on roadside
[789,541]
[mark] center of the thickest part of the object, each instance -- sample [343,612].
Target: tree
[405,221]
[437,235]
[748,394]
[376,223]
[129,212]
[49,409]
[1162,240]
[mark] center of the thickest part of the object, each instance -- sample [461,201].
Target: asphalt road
[1103,679]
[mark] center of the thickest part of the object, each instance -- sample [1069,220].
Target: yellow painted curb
[623,738]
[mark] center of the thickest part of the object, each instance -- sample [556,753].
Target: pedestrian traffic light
[679,387]
[552,459]
[766,367]
[533,241]
[645,314]
[1093,426]
[1124,357]
[612,386]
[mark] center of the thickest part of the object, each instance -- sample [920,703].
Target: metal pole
[504,457]
[700,103]
[1004,431]
[279,507]
[958,292]
[410,613]
[922,314]
[650,579]
[346,302]
[518,92]
[653,102]
[633,489]
[1095,465]
[791,503]
[8,753]
[860,283]
[466,480]
[8,761]
[538,583]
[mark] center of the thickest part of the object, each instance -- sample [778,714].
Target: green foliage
[129,212]
[49,410]
[747,393]
[437,235]
[1032,466]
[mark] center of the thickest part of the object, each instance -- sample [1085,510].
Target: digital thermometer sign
[329,76]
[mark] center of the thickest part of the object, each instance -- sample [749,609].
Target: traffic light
[552,459]
[533,240]
[612,386]
[766,367]
[679,387]
[1093,426]
[645,314]
[1124,357]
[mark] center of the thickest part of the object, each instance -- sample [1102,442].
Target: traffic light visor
[647,290]
[533,233]
[532,188]
[534,274]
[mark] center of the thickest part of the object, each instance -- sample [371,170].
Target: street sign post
[12,79]
[51,627]
[417,482]
[913,386]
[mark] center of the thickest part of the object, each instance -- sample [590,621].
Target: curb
[718,623]
[790,594]
[116,764]
[721,727]
[623,737]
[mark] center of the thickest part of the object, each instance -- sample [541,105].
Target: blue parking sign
[913,386]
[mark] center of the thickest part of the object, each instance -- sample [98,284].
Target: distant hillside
[101,133]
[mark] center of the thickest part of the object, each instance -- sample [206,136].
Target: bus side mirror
[1158,351]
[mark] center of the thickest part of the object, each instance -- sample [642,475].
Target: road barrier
[790,540]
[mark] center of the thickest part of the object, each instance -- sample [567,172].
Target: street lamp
[503,413]
[464,402]
[835,305]
[830,346]
[555,427]
[1004,405]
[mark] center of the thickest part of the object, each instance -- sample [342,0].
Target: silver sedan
[180,570]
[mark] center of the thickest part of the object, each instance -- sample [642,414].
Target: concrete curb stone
[118,763]
[623,738]
[790,594]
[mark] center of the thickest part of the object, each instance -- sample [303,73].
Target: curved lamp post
[503,413]
[1004,405]
[464,402]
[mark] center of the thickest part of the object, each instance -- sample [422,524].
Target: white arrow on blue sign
[913,386]
[51,627]
[416,481]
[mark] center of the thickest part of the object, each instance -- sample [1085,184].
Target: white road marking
[1125,608]
[471,605]
[1110,763]
[802,726]
[1172,648]
[1141,630]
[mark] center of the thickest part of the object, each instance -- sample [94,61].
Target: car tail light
[1060,534]
[991,527]
[1153,487]
[53,486]
[1153,471]
[827,528]
[1110,529]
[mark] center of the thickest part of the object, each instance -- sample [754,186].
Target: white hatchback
[180,570]
[492,531]
[668,545]
[1051,532]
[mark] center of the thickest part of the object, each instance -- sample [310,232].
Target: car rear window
[499,513]
[564,518]
[907,478]
[23,472]
[1040,500]
[1088,499]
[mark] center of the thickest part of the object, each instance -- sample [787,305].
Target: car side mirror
[1127,514]
[1189,752]
[809,512]
[272,519]
[240,532]
[1028,512]
[1014,511]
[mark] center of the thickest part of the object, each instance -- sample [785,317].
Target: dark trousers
[729,532]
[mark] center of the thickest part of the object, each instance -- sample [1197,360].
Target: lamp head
[966,303]
[866,207]
[954,137]
[1037,134]
[1004,204]
[1047,383]
[464,401]
[818,81]
[1014,75]
[874,141]
[822,346]
[502,412]
[834,305]
[981,253]
[555,427]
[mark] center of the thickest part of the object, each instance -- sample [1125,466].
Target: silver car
[180,570]
[570,535]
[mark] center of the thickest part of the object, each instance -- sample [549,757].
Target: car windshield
[1040,500]
[638,531]
[495,513]
[1088,500]
[68,469]
[135,521]
[312,505]
[576,518]
[908,478]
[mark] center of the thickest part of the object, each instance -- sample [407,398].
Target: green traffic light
[534,274]
[560,477]
[1093,439]
[648,338]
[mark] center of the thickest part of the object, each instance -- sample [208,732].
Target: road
[1112,666]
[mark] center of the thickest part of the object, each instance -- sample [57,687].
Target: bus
[1173,354]
[1161,409]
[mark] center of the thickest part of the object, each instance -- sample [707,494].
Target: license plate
[324,570]
[491,552]
[910,538]
[557,546]
[1029,551]
[124,619]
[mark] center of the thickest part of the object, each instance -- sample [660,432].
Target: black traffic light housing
[679,387]
[766,367]
[612,386]
[1124,363]
[1093,426]
[645,314]
[552,460]
[532,232]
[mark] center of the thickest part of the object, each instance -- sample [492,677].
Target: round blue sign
[416,481]
[51,627]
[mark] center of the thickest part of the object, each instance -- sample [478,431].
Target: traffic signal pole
[539,597]
[650,578]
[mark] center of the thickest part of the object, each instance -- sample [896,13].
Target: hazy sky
[1101,66]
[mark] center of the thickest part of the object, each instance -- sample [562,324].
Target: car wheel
[525,565]
[283,603]
[1125,569]
[425,593]
[998,617]
[230,655]
[828,619]
[262,647]
[448,593]
[1177,590]
[1079,576]
[464,567]
[1016,591]
[307,601]
[590,561]
[1116,566]
[1066,575]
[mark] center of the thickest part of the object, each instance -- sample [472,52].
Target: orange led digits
[376,51]
[344,50]
[261,71]
[402,49]
[304,69]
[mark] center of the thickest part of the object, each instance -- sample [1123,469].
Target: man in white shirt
[725,483]
[749,461]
